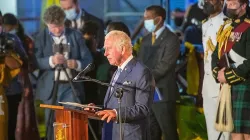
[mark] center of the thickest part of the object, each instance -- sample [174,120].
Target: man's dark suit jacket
[88,17]
[138,84]
[161,59]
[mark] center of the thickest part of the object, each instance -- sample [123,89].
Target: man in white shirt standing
[210,89]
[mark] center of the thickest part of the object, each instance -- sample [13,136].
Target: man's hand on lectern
[107,115]
[89,108]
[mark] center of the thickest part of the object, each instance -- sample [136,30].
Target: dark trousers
[155,130]
[13,102]
[164,113]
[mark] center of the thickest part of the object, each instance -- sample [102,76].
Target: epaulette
[247,20]
[204,20]
[232,78]
[227,21]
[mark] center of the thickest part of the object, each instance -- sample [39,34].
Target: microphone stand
[54,98]
[118,95]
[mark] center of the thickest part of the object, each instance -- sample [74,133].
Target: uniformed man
[233,41]
[210,89]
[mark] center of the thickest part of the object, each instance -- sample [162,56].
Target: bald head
[118,47]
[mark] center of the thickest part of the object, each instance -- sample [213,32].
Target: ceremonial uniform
[210,89]
[234,40]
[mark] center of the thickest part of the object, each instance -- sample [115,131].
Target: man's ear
[158,20]
[123,50]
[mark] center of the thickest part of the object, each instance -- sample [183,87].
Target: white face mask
[149,25]
[70,14]
[13,31]
[201,4]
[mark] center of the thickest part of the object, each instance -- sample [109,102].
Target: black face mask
[209,8]
[89,43]
[178,21]
[232,13]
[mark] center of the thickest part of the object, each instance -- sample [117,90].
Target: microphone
[118,93]
[87,69]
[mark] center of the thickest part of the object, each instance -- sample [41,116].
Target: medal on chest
[235,36]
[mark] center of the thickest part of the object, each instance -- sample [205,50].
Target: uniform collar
[217,17]
[239,20]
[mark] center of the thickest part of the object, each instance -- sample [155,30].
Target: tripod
[49,129]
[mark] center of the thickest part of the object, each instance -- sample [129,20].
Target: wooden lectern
[70,124]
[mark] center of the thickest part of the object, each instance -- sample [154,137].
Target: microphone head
[76,78]
[118,93]
[89,68]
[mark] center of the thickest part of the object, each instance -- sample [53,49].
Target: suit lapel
[125,72]
[160,38]
[107,96]
[152,49]
[49,42]
[84,17]
[69,41]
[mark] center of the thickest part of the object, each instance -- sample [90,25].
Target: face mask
[232,13]
[13,31]
[200,4]
[70,14]
[208,8]
[149,25]
[89,43]
[178,21]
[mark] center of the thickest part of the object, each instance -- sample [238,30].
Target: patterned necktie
[117,74]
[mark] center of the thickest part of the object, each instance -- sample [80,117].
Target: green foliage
[191,124]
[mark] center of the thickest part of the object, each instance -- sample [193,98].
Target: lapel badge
[127,83]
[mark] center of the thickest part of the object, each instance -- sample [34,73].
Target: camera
[61,48]
[6,44]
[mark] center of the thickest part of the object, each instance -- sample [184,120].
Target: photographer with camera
[14,91]
[60,53]
[12,57]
